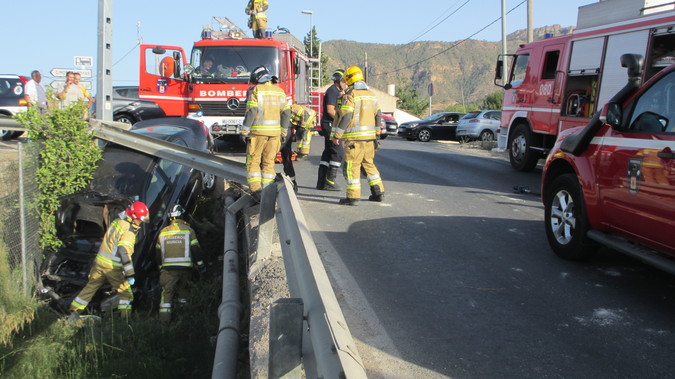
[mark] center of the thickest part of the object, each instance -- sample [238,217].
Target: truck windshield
[232,64]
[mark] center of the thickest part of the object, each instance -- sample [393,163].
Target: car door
[636,168]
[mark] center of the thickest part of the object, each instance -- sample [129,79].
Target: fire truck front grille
[221,109]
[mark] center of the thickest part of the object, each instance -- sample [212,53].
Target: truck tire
[566,220]
[522,157]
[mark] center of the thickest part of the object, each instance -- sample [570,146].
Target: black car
[128,108]
[124,175]
[388,126]
[12,100]
[437,126]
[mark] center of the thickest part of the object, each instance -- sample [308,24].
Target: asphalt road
[452,276]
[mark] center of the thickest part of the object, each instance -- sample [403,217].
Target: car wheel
[424,135]
[522,157]
[383,136]
[6,135]
[208,182]
[486,135]
[125,118]
[566,220]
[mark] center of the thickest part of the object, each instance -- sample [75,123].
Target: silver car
[481,125]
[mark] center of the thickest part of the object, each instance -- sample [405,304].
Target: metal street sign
[83,61]
[62,72]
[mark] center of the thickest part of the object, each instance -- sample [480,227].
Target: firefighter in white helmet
[265,123]
[180,252]
[257,10]
[113,262]
[359,129]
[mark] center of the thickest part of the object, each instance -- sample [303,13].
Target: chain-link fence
[19,220]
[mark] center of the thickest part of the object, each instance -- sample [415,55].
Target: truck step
[634,250]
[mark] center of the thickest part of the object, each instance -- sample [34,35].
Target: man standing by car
[359,128]
[35,93]
[179,248]
[265,123]
[113,261]
[331,158]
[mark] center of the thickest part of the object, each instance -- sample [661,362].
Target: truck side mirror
[611,114]
[498,70]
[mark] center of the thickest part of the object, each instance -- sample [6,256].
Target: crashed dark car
[125,175]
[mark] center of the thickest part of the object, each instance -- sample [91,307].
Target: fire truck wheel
[424,135]
[522,157]
[566,221]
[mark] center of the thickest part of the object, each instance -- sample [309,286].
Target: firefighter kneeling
[113,261]
[179,248]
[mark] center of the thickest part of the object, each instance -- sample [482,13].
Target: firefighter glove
[131,280]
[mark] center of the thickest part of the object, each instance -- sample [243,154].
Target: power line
[451,47]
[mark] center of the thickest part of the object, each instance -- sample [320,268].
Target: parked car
[388,126]
[125,175]
[439,126]
[612,182]
[128,108]
[12,100]
[481,125]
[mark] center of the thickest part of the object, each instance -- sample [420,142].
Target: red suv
[612,182]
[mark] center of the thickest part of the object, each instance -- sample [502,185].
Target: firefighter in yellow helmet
[180,252]
[113,262]
[257,10]
[265,123]
[359,128]
[302,122]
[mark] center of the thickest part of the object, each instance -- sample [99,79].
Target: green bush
[67,159]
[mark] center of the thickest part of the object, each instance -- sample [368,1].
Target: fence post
[22,218]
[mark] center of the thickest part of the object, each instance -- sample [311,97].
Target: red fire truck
[558,83]
[211,86]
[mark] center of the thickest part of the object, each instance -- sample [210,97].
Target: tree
[409,98]
[313,50]
[493,101]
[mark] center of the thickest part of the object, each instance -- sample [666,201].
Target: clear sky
[47,34]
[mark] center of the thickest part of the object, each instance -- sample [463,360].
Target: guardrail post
[285,353]
[268,199]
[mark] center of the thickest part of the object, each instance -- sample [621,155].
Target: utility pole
[530,16]
[104,66]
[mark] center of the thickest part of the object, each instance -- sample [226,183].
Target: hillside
[460,71]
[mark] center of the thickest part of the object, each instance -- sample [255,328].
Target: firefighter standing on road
[302,120]
[113,261]
[258,21]
[359,128]
[331,158]
[179,248]
[265,123]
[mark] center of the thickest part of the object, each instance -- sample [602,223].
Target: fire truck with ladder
[211,86]
[558,83]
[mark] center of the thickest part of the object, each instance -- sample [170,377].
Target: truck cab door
[547,95]
[161,78]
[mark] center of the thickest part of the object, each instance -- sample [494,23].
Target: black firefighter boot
[330,179]
[377,195]
[321,182]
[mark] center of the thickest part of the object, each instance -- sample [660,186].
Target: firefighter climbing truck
[558,83]
[211,87]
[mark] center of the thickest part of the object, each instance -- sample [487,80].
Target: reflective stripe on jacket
[117,247]
[363,106]
[174,242]
[270,101]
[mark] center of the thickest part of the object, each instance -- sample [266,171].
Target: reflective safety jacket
[302,117]
[117,247]
[264,108]
[257,8]
[179,246]
[359,115]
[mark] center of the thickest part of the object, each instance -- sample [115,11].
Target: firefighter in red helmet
[113,262]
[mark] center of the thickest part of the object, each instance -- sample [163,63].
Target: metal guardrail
[333,351]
